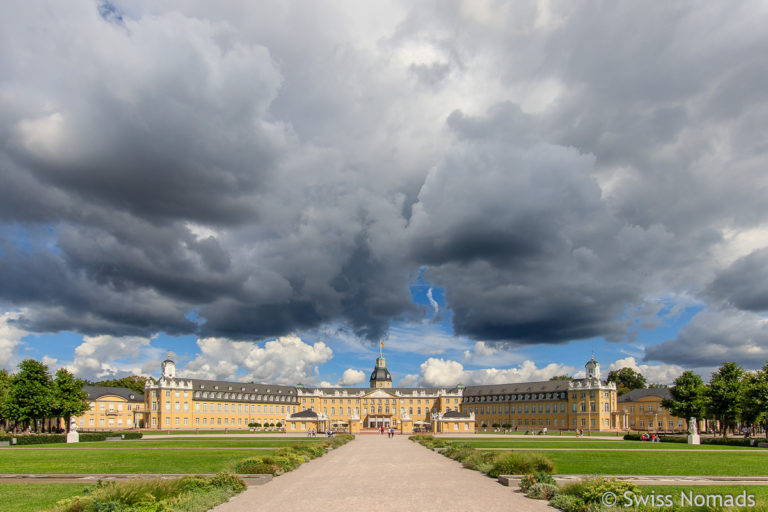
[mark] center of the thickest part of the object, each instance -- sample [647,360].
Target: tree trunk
[67,420]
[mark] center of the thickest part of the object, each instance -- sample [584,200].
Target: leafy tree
[687,397]
[69,399]
[134,382]
[31,393]
[561,377]
[626,380]
[5,391]
[754,399]
[723,395]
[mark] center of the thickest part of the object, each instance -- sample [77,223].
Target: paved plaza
[375,472]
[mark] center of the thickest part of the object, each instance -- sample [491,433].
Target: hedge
[729,441]
[85,437]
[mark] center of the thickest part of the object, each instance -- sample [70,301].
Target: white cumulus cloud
[441,372]
[286,360]
[653,373]
[105,357]
[10,339]
[351,377]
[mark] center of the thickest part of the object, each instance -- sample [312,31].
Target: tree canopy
[722,398]
[31,394]
[69,399]
[626,380]
[134,382]
[687,396]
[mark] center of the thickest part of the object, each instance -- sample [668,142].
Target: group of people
[313,433]
[390,431]
[650,437]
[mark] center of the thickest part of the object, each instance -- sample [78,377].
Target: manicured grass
[120,461]
[758,491]
[588,443]
[564,433]
[749,463]
[183,442]
[204,432]
[23,497]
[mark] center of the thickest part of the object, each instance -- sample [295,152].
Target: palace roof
[96,392]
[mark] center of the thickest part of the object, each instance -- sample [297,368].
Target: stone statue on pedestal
[693,435]
[73,436]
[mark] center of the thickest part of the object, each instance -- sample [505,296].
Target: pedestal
[694,439]
[73,437]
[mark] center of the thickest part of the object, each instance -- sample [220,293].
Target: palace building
[175,402]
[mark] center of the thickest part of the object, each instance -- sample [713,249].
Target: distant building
[588,403]
[113,409]
[641,409]
[175,402]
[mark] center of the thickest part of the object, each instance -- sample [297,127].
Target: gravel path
[374,473]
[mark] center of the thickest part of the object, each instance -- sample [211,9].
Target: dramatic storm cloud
[246,172]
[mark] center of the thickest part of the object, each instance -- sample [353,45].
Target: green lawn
[759,492]
[205,432]
[552,433]
[119,461]
[184,442]
[589,443]
[749,463]
[18,497]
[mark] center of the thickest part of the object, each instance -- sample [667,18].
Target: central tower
[380,377]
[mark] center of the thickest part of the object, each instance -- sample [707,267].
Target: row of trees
[732,397]
[32,395]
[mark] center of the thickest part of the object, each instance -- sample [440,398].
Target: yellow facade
[113,409]
[641,409]
[585,404]
[176,403]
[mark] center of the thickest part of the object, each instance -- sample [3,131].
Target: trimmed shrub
[258,466]
[728,441]
[312,451]
[227,481]
[26,439]
[289,459]
[567,502]
[480,461]
[154,495]
[537,478]
[591,490]
[521,463]
[542,491]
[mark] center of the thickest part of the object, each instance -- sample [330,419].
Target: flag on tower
[382,343]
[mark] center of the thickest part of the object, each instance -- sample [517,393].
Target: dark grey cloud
[743,283]
[713,337]
[288,166]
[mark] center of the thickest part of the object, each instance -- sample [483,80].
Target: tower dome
[380,377]
[592,369]
[168,367]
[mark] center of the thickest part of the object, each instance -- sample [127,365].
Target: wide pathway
[374,473]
